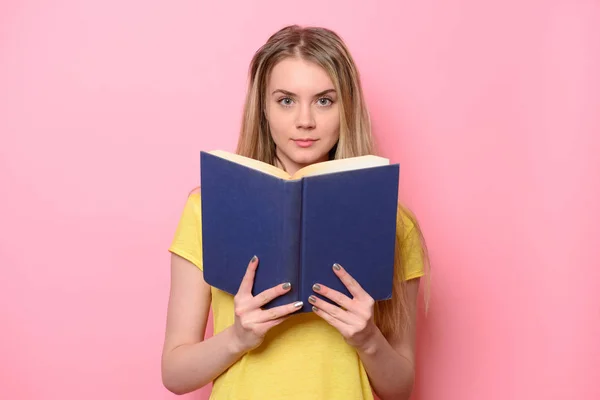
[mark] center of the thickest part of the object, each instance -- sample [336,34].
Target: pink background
[491,107]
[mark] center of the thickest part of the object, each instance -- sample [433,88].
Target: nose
[305,118]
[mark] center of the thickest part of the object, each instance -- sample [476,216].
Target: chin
[308,157]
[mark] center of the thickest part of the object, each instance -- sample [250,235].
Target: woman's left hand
[353,317]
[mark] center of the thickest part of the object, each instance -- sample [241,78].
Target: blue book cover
[340,211]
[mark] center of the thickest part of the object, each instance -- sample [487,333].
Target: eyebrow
[287,93]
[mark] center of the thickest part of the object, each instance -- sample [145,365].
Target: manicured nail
[316,287]
[312,299]
[286,286]
[253,259]
[337,266]
[298,304]
[315,309]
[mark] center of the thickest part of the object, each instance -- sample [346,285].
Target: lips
[304,142]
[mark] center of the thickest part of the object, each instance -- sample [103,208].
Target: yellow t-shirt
[302,358]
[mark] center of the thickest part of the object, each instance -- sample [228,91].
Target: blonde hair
[325,48]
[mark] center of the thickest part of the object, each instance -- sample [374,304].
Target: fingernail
[312,299]
[315,309]
[316,287]
[337,266]
[253,259]
[298,304]
[286,286]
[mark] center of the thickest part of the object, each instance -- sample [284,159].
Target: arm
[190,362]
[389,364]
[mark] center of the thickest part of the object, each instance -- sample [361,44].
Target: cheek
[330,126]
[278,119]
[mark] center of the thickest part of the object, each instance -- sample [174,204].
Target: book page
[325,167]
[344,164]
[252,163]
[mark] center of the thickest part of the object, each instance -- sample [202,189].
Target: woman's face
[302,112]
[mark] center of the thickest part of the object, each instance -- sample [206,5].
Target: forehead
[299,76]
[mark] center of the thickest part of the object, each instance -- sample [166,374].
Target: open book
[339,211]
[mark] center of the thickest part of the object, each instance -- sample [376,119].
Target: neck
[289,166]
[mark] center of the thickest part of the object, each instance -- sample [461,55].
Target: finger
[267,295]
[353,286]
[248,279]
[270,324]
[333,310]
[336,323]
[275,313]
[337,297]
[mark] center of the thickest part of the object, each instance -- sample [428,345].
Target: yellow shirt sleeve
[411,250]
[187,242]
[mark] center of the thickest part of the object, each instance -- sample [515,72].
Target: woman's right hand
[252,322]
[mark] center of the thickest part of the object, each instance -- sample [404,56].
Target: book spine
[291,235]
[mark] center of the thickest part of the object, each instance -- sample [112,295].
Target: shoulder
[412,248]
[194,195]
[191,212]
[406,221]
[193,201]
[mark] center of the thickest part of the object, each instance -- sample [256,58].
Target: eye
[286,101]
[324,102]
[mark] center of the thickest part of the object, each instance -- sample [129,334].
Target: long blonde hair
[325,48]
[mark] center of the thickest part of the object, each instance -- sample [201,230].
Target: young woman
[304,105]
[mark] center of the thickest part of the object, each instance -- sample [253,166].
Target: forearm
[391,374]
[192,366]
